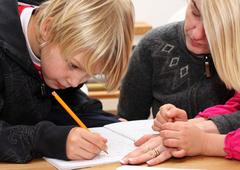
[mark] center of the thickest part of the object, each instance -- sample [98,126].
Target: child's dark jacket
[32,123]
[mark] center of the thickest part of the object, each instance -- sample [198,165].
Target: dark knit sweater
[162,71]
[32,123]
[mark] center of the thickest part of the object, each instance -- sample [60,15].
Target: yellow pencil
[70,112]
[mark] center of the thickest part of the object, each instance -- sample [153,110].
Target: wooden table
[200,162]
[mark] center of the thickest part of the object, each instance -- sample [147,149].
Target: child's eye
[73,66]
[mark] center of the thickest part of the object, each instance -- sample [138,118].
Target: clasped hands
[177,137]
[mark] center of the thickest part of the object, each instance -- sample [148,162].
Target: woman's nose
[199,32]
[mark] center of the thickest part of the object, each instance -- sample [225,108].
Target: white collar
[25,18]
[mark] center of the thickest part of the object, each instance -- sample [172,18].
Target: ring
[156,152]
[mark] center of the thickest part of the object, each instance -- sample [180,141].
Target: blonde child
[58,46]
[215,131]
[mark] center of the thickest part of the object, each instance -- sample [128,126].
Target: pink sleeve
[232,144]
[232,105]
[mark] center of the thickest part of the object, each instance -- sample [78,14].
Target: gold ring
[156,152]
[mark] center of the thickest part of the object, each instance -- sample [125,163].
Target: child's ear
[45,28]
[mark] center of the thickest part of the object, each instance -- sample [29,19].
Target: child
[58,46]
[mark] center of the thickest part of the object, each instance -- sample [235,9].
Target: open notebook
[120,142]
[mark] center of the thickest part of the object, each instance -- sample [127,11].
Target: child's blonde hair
[221,19]
[101,29]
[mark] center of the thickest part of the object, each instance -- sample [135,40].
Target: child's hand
[168,113]
[187,138]
[82,144]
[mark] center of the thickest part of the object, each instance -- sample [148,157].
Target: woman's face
[195,37]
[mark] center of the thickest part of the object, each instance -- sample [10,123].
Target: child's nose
[75,81]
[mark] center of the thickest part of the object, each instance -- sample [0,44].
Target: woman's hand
[150,150]
[82,144]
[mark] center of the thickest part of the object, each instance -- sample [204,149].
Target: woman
[172,64]
[218,136]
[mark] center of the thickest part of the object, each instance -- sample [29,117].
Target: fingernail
[130,159]
[122,161]
[149,162]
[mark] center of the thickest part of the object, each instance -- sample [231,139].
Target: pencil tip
[106,151]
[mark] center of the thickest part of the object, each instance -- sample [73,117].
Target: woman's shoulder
[163,34]
[167,30]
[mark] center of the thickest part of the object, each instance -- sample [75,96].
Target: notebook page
[118,146]
[132,129]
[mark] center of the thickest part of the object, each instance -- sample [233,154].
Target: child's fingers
[172,143]
[91,142]
[76,143]
[160,119]
[75,156]
[156,125]
[164,115]
[169,134]
[89,147]
[179,153]
[96,139]
[155,128]
[81,153]
[166,107]
[170,126]
[175,114]
[98,136]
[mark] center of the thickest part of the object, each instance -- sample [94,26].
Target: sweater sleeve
[22,143]
[232,141]
[32,2]
[232,105]
[89,110]
[136,89]
[227,122]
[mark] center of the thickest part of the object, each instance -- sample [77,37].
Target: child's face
[59,73]
[196,40]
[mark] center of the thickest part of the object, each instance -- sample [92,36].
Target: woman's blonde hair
[101,29]
[221,20]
